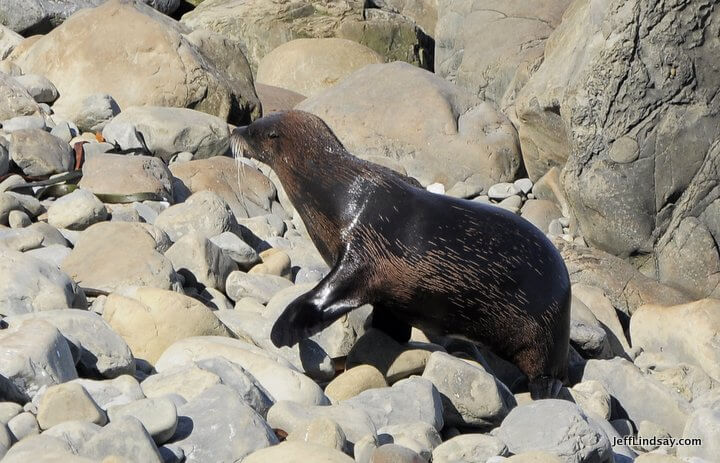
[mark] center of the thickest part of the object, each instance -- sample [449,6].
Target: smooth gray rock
[8,203]
[23,425]
[38,153]
[9,410]
[235,248]
[703,424]
[77,211]
[53,254]
[262,287]
[125,437]
[200,262]
[467,448]
[15,100]
[470,395]
[110,392]
[39,87]
[203,212]
[34,354]
[65,131]
[407,401]
[219,426]
[557,427]
[74,433]
[419,437]
[18,219]
[158,416]
[103,353]
[24,122]
[95,113]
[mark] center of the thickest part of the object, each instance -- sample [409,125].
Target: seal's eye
[273,134]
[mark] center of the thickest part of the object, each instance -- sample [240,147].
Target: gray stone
[23,239]
[8,203]
[74,433]
[43,449]
[24,122]
[68,402]
[557,427]
[262,287]
[407,401]
[235,248]
[703,424]
[40,88]
[77,211]
[15,100]
[95,112]
[469,448]
[126,175]
[204,212]
[200,262]
[503,190]
[470,395]
[93,149]
[419,437]
[38,153]
[34,355]
[118,391]
[586,332]
[125,437]
[102,351]
[4,159]
[65,131]
[641,397]
[158,416]
[9,410]
[218,425]
[396,454]
[167,131]
[23,425]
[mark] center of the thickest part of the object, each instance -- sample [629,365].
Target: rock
[690,381]
[200,262]
[68,402]
[503,190]
[38,153]
[423,12]
[124,437]
[601,307]
[83,62]
[704,424]
[8,411]
[320,431]
[557,427]
[73,433]
[102,352]
[16,101]
[388,406]
[419,437]
[151,319]
[43,449]
[482,141]
[26,122]
[9,39]
[274,262]
[391,35]
[65,131]
[23,239]
[204,212]
[167,131]
[641,397]
[391,453]
[23,425]
[540,212]
[275,374]
[158,416]
[114,255]
[95,111]
[41,89]
[77,211]
[8,203]
[475,50]
[294,418]
[263,287]
[4,159]
[354,381]
[308,66]
[685,332]
[236,249]
[107,393]
[592,398]
[298,452]
[586,332]
[245,189]
[113,174]
[209,424]
[469,447]
[657,458]
[274,99]
[470,395]
[534,457]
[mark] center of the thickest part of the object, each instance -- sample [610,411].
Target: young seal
[448,266]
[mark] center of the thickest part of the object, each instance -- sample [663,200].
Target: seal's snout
[238,142]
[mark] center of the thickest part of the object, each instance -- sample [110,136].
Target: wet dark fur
[444,265]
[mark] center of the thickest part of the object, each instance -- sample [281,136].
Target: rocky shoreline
[142,267]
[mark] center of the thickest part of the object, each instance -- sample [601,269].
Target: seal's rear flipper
[545,387]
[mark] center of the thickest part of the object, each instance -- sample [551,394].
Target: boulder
[115,174]
[308,66]
[168,131]
[151,319]
[439,132]
[14,99]
[83,61]
[39,153]
[704,424]
[263,26]
[114,255]
[204,213]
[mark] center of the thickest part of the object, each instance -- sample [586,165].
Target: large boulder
[436,130]
[262,26]
[308,66]
[83,61]
[491,47]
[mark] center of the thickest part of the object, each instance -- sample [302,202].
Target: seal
[447,266]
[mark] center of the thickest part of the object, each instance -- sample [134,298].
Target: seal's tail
[545,387]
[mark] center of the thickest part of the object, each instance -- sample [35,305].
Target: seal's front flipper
[336,294]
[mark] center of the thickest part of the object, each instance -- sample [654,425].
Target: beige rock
[274,262]
[423,12]
[200,262]
[274,99]
[688,332]
[439,132]
[540,212]
[82,60]
[354,381]
[9,39]
[595,300]
[14,99]
[204,213]
[592,397]
[76,211]
[68,402]
[125,175]
[320,431]
[298,452]
[246,190]
[308,66]
[152,319]
[187,382]
[112,255]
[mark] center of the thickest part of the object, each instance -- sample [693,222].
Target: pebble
[18,219]
[262,287]
[77,211]
[501,191]
[235,248]
[469,448]
[158,416]
[200,262]
[524,185]
[354,381]
[555,228]
[23,425]
[68,402]
[511,203]
[321,431]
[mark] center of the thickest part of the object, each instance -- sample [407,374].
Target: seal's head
[287,137]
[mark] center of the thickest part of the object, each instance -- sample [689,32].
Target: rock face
[263,26]
[308,66]
[475,51]
[167,131]
[438,131]
[82,61]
